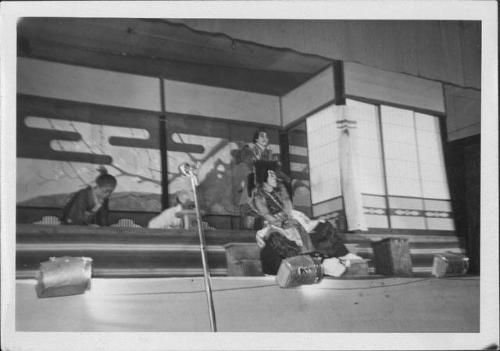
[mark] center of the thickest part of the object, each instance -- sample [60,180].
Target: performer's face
[272,180]
[262,139]
[103,192]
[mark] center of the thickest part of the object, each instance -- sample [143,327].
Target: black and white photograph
[249,175]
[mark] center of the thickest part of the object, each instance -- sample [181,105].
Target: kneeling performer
[288,232]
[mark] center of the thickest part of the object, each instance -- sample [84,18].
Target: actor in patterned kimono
[252,152]
[89,206]
[284,236]
[249,154]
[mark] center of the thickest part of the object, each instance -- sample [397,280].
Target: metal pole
[206,273]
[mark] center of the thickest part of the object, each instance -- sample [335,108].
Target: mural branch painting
[135,166]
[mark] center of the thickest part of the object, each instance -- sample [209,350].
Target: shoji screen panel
[402,169]
[322,136]
[371,165]
[401,157]
[434,182]
[431,158]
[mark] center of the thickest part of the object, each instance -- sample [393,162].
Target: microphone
[187,169]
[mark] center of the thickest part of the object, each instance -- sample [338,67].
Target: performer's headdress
[104,178]
[262,168]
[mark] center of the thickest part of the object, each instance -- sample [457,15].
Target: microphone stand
[203,250]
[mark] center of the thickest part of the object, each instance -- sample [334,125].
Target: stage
[256,304]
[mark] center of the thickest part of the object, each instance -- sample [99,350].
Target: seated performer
[89,206]
[168,219]
[258,150]
[284,236]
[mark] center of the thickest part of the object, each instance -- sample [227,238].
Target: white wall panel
[391,87]
[314,93]
[82,84]
[195,99]
[77,83]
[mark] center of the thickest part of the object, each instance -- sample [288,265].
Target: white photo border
[485,11]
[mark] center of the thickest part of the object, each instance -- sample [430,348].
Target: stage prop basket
[243,259]
[299,270]
[449,264]
[63,276]
[392,257]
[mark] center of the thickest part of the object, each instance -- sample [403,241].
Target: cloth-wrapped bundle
[62,276]
[299,270]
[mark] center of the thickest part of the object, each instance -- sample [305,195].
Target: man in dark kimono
[89,206]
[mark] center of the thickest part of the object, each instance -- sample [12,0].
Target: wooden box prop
[449,264]
[62,276]
[243,259]
[392,257]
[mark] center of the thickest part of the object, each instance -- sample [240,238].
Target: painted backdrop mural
[61,145]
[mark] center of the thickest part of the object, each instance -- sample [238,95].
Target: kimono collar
[98,203]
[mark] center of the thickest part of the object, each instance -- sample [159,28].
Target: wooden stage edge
[141,252]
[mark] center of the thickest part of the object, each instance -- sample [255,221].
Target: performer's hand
[261,236]
[322,219]
[260,242]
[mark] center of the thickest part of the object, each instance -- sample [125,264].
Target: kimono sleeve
[74,211]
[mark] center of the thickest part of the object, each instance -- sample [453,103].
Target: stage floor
[257,304]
